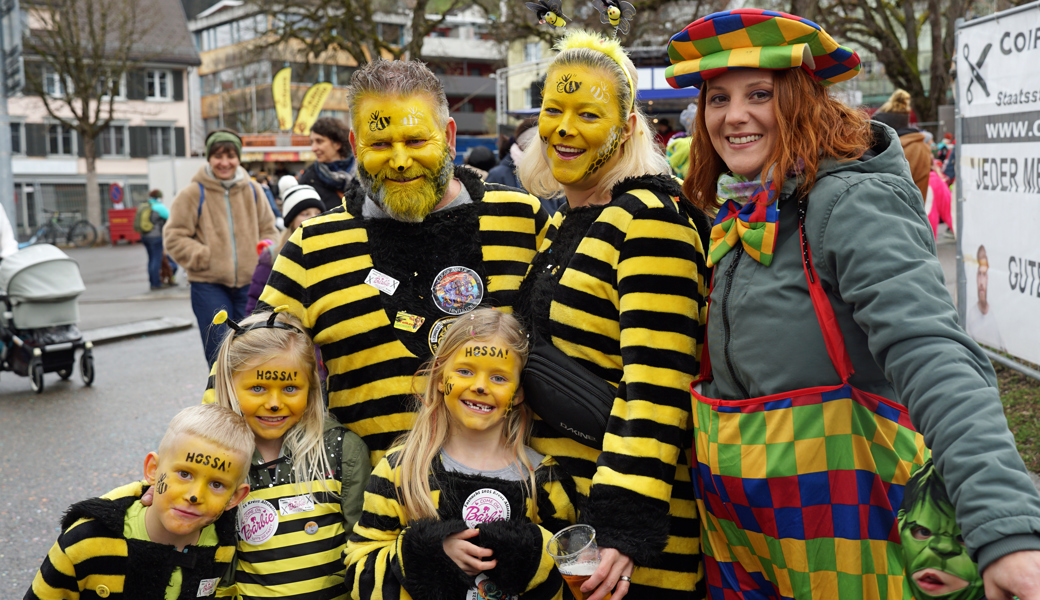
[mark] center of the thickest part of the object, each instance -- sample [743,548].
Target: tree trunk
[93,192]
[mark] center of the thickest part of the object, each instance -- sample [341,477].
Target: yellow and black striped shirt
[390,557]
[485,247]
[629,305]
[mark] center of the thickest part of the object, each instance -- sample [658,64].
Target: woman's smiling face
[740,116]
[581,125]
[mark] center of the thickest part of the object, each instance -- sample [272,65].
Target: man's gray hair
[397,78]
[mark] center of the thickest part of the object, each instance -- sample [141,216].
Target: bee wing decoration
[624,26]
[602,14]
[627,10]
[537,8]
[556,6]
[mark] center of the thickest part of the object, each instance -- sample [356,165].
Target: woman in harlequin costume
[618,285]
[826,283]
[308,474]
[462,508]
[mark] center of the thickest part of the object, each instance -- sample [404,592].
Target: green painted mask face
[938,565]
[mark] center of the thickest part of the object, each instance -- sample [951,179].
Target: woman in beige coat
[214,227]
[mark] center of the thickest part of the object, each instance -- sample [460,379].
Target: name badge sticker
[207,587]
[382,282]
[485,505]
[408,321]
[257,521]
[292,506]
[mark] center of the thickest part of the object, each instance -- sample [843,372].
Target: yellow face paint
[580,124]
[195,481]
[480,384]
[272,397]
[404,159]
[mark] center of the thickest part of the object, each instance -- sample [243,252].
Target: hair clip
[549,11]
[618,14]
[270,323]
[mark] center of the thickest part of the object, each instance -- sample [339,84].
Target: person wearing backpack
[149,220]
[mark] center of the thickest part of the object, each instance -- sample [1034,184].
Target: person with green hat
[215,224]
[833,356]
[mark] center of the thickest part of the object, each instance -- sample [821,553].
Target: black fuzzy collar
[664,184]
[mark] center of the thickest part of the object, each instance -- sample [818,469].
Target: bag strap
[202,198]
[832,336]
[833,339]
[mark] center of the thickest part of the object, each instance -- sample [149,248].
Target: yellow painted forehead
[379,113]
[581,84]
[203,454]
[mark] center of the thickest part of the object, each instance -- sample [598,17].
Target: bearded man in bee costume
[415,246]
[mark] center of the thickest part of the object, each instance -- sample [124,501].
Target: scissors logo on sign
[976,74]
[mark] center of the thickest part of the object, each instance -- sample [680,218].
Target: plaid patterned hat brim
[756,39]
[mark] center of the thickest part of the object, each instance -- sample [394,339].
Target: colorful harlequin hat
[750,38]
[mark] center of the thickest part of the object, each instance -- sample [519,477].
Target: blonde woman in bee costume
[618,285]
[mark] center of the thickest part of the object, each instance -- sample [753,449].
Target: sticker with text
[437,332]
[299,504]
[207,587]
[257,521]
[408,322]
[382,282]
[457,290]
[485,505]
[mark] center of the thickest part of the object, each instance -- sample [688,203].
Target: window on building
[391,33]
[54,84]
[60,140]
[118,87]
[343,75]
[532,51]
[527,98]
[158,85]
[17,135]
[160,141]
[112,141]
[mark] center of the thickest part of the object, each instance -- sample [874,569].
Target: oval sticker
[485,505]
[257,521]
[457,290]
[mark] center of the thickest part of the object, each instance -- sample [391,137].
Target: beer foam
[585,569]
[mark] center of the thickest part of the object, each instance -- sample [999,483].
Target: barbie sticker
[257,521]
[485,505]
[457,290]
[487,590]
[207,587]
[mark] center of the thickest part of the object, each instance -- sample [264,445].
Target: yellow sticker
[408,322]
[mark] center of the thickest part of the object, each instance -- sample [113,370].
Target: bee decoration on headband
[618,14]
[549,11]
[270,323]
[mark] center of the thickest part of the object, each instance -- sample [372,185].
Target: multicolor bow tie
[754,224]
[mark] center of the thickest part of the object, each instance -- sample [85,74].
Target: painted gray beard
[368,184]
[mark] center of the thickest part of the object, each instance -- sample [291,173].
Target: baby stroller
[39,286]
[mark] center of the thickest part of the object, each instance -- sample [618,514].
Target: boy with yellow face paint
[417,244]
[182,545]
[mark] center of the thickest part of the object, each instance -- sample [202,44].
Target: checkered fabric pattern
[798,495]
[756,39]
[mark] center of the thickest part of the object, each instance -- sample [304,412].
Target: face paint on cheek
[160,485]
[607,151]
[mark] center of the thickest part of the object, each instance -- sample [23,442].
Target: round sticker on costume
[487,590]
[437,331]
[257,521]
[457,290]
[485,505]
[311,528]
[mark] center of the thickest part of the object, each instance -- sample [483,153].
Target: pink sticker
[485,505]
[257,521]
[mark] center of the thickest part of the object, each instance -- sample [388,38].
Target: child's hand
[146,498]
[466,554]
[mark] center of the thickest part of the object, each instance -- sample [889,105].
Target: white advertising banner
[998,94]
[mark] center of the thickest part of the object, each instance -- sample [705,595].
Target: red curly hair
[810,126]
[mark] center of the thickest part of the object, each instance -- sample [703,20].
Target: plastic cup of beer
[577,556]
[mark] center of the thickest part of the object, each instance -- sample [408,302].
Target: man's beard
[408,203]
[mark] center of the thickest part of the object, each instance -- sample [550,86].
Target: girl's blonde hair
[433,422]
[639,155]
[305,440]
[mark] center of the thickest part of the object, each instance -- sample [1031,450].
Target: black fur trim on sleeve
[110,513]
[663,184]
[517,546]
[354,198]
[474,184]
[627,521]
[429,573]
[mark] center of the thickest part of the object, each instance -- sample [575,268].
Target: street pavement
[73,442]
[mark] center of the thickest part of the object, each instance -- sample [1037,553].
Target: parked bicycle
[80,233]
